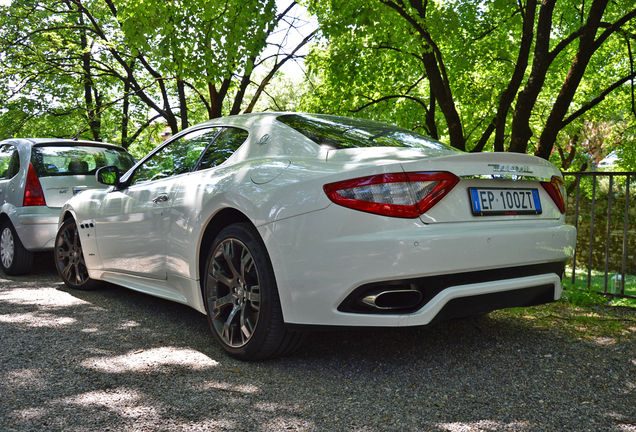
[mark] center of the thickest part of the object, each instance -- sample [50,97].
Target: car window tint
[63,160]
[340,133]
[177,157]
[6,155]
[224,146]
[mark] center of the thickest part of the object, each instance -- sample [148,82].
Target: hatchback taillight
[556,189]
[33,193]
[406,195]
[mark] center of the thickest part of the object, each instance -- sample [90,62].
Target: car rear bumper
[319,265]
[37,230]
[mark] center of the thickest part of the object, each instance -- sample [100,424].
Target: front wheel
[15,260]
[69,258]
[241,297]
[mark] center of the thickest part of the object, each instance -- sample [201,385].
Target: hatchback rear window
[341,133]
[76,160]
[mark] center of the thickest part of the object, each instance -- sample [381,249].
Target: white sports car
[277,223]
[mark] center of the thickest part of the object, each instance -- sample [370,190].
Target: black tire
[69,258]
[241,297]
[15,260]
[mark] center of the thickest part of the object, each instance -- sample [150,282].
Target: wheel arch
[8,213]
[3,218]
[66,214]
[214,226]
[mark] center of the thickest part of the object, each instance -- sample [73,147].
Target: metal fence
[588,194]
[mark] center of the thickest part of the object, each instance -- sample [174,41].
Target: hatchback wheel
[241,297]
[15,260]
[69,258]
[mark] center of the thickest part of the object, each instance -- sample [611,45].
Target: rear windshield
[346,132]
[75,160]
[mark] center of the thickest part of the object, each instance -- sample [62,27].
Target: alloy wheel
[69,256]
[7,247]
[234,297]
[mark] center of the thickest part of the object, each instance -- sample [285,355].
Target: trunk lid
[505,175]
[57,190]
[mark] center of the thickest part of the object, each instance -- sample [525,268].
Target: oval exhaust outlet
[393,299]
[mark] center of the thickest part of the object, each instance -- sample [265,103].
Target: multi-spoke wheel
[241,297]
[69,258]
[14,258]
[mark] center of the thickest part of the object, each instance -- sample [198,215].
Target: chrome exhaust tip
[393,299]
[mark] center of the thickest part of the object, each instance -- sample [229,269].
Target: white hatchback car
[37,176]
[276,223]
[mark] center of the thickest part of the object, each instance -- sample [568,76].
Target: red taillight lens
[406,195]
[33,193]
[556,189]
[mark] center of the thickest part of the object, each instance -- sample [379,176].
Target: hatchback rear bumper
[37,230]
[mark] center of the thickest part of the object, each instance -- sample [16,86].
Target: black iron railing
[615,188]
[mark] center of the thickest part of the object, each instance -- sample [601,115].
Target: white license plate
[504,201]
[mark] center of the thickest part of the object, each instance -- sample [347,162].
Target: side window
[177,157]
[8,154]
[223,147]
[14,167]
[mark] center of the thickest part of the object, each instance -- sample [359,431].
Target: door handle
[161,199]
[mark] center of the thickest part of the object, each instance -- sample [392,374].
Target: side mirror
[108,175]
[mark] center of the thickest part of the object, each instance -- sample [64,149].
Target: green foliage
[206,40]
[283,94]
[584,298]
[371,64]
[110,69]
[625,137]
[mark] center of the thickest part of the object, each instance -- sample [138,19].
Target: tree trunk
[508,96]
[183,104]
[89,86]
[435,69]
[217,97]
[587,47]
[521,132]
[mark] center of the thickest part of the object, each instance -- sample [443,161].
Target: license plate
[503,201]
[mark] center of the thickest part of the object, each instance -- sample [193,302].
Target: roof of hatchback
[56,141]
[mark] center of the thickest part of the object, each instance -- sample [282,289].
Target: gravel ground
[119,360]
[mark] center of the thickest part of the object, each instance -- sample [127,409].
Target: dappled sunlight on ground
[151,360]
[216,385]
[37,319]
[42,297]
[26,379]
[124,402]
[289,423]
[114,358]
[484,426]
[603,340]
[29,414]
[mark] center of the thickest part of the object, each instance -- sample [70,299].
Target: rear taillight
[33,193]
[556,189]
[406,195]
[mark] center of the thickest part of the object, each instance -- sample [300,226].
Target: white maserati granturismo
[277,223]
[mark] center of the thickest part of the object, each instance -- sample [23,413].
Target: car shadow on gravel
[117,359]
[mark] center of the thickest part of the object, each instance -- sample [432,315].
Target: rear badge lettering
[510,168]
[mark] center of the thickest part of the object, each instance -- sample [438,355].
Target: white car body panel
[321,270]
[134,221]
[320,251]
